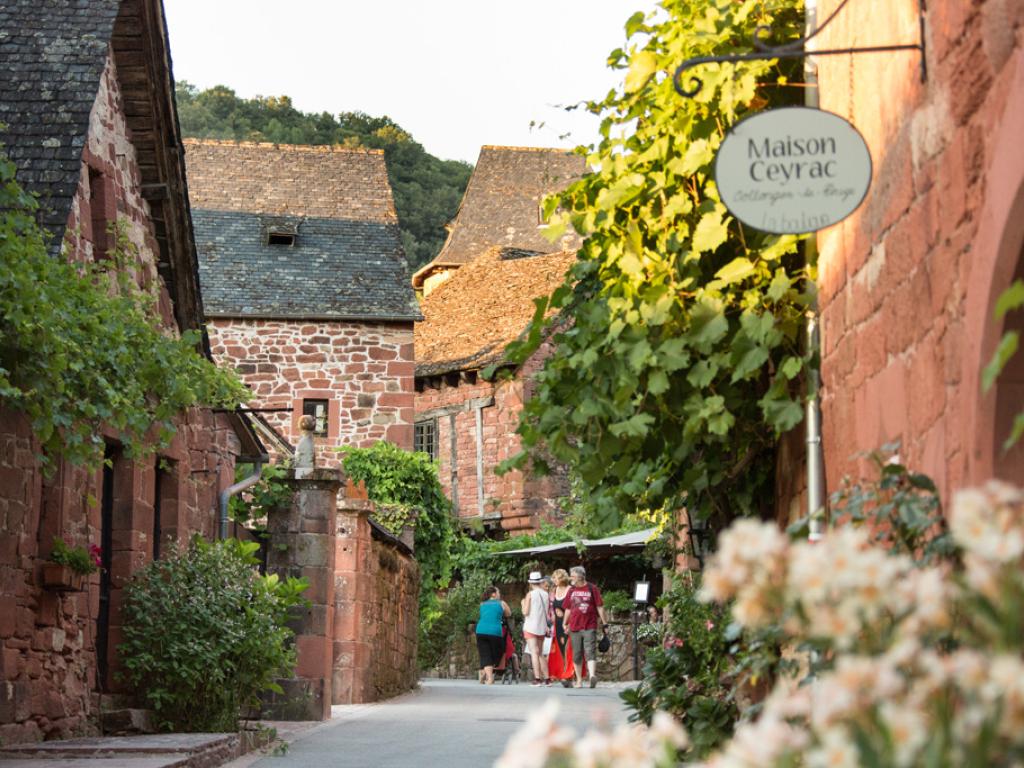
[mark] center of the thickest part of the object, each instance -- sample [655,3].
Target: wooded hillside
[427,189]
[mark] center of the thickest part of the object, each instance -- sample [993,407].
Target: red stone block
[398,368]
[313,656]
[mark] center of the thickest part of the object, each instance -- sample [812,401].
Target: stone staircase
[168,750]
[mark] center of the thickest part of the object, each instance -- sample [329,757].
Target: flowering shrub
[78,559]
[912,664]
[544,743]
[916,665]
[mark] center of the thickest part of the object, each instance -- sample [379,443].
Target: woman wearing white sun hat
[535,626]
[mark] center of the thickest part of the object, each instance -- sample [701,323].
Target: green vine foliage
[79,347]
[677,358]
[205,634]
[406,488]
[270,492]
[901,508]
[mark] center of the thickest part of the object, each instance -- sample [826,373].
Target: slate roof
[501,205]
[347,261]
[337,269]
[471,317]
[52,54]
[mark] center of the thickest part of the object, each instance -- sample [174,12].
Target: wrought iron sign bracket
[796,49]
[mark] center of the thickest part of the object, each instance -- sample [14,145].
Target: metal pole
[636,644]
[812,420]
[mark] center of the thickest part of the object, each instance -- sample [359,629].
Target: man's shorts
[584,645]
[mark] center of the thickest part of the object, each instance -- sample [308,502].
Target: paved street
[448,723]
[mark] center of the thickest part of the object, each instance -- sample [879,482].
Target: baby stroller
[508,669]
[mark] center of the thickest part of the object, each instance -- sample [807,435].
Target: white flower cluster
[905,699]
[841,588]
[544,743]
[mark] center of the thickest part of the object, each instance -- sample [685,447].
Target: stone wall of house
[517,501]
[48,639]
[908,283]
[364,371]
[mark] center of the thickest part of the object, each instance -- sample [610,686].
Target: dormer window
[280,232]
[280,238]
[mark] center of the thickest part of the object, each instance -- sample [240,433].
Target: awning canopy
[624,543]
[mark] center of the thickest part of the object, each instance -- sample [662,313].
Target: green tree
[427,190]
[677,357]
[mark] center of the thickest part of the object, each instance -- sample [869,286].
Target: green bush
[616,601]
[205,634]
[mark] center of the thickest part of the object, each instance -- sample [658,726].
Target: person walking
[560,659]
[490,643]
[584,607]
[535,626]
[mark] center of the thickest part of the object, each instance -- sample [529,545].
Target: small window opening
[280,238]
[425,437]
[318,410]
[98,215]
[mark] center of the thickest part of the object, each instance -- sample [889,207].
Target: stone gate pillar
[301,543]
[353,600]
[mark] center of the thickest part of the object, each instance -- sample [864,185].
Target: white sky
[456,74]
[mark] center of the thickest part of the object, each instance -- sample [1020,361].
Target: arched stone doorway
[1009,400]
[997,258]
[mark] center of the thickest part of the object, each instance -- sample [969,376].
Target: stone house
[908,284]
[502,206]
[87,98]
[466,422]
[306,287]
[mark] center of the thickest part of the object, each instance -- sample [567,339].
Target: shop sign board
[793,170]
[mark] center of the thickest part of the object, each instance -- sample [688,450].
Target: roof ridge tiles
[567,150]
[323,148]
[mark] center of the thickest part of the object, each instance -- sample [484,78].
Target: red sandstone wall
[908,282]
[364,369]
[520,502]
[395,622]
[48,639]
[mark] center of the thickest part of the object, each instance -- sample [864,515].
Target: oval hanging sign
[793,170]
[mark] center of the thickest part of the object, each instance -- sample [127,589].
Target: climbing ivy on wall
[405,487]
[677,358]
[79,348]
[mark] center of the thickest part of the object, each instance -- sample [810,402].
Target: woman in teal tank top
[489,640]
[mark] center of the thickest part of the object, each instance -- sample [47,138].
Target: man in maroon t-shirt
[584,607]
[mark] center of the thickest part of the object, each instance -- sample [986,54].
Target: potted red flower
[68,567]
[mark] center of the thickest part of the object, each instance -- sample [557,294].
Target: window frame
[418,441]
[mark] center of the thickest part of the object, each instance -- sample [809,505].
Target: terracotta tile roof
[471,318]
[501,205]
[322,181]
[346,259]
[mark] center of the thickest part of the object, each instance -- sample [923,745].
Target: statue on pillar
[305,451]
